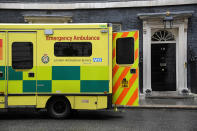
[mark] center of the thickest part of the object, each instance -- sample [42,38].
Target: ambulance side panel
[82,79]
[85,79]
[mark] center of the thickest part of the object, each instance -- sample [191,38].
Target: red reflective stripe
[1,49]
[126,90]
[115,69]
[135,35]
[133,98]
[125,34]
[114,53]
[122,76]
[136,53]
[114,35]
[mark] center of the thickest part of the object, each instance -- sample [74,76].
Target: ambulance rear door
[125,68]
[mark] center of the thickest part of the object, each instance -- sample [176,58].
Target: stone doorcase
[154,21]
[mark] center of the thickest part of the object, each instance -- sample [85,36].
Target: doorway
[153,33]
[163,60]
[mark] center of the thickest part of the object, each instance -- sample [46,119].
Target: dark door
[163,67]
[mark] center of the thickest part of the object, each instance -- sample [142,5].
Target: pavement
[134,119]
[168,100]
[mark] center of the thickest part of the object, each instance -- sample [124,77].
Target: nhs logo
[97,59]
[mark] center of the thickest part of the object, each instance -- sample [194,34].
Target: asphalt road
[127,120]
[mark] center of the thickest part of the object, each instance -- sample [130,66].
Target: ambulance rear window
[73,49]
[22,55]
[125,50]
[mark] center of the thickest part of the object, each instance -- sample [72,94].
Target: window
[72,49]
[125,50]
[22,55]
[116,27]
[163,35]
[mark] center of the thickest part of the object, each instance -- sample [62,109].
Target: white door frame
[181,52]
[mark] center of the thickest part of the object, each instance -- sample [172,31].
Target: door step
[175,101]
[168,95]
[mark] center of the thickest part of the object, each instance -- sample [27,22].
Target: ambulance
[62,67]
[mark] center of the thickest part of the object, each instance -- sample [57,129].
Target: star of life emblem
[45,59]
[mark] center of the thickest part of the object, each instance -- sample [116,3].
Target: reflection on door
[163,67]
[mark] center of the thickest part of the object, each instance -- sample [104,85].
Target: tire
[59,108]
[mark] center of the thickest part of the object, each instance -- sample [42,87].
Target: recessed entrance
[154,32]
[163,61]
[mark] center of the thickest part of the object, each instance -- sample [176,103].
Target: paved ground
[128,120]
[168,99]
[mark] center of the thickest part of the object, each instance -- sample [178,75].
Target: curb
[158,107]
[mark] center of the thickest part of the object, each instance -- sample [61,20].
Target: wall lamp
[168,20]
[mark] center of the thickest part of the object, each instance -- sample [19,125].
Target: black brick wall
[129,20]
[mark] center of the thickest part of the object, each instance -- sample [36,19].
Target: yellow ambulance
[67,66]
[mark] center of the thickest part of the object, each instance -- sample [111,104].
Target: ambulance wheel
[59,108]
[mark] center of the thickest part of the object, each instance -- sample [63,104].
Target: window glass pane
[125,50]
[22,55]
[72,49]
[116,27]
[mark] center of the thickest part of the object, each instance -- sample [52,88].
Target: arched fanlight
[163,35]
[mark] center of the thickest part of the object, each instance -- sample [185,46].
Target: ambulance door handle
[1,74]
[31,74]
[132,71]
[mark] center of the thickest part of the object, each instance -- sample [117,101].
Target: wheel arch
[56,97]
